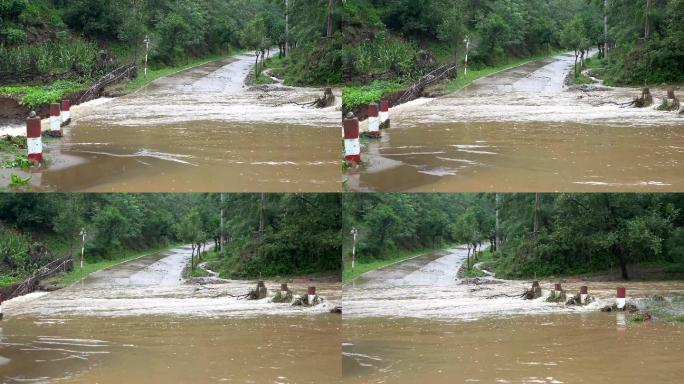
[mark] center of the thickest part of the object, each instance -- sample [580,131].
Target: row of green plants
[362,95]
[33,96]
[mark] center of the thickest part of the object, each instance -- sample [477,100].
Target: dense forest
[263,234]
[390,43]
[78,40]
[536,234]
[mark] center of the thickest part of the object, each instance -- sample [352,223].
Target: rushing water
[416,321]
[523,130]
[140,322]
[198,130]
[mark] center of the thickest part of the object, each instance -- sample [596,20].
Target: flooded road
[522,130]
[203,130]
[415,321]
[140,322]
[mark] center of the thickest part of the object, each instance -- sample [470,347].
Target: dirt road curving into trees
[202,129]
[523,130]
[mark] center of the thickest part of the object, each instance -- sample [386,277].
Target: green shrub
[13,36]
[14,253]
[355,96]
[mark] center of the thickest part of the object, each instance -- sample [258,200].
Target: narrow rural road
[427,287]
[201,129]
[140,322]
[153,285]
[415,321]
[524,130]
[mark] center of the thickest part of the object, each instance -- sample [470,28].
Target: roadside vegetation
[540,235]
[52,48]
[397,42]
[264,234]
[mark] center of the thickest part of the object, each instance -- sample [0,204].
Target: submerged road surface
[415,321]
[524,130]
[203,130]
[140,322]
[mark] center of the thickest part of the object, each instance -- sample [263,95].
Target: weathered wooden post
[621,298]
[34,141]
[55,120]
[66,112]
[373,121]
[352,145]
[384,114]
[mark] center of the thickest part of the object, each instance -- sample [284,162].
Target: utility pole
[147,51]
[467,50]
[605,28]
[83,240]
[498,222]
[287,27]
[221,239]
[354,233]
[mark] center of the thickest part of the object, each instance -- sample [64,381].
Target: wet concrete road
[202,130]
[140,322]
[415,321]
[522,130]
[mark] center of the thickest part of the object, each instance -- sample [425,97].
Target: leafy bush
[14,252]
[33,96]
[386,54]
[357,96]
[68,60]
[13,36]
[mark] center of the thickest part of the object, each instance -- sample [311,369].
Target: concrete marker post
[66,112]
[584,292]
[55,120]
[311,295]
[373,121]
[558,290]
[283,289]
[384,114]
[621,298]
[352,145]
[34,141]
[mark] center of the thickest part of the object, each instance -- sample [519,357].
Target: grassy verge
[475,74]
[362,267]
[155,73]
[353,97]
[33,96]
[6,281]
[484,257]
[94,266]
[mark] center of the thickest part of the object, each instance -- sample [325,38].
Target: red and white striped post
[373,121]
[66,112]
[558,289]
[584,292]
[34,141]
[384,114]
[55,120]
[621,298]
[352,146]
[283,289]
[311,295]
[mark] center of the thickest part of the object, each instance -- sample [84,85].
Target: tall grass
[71,59]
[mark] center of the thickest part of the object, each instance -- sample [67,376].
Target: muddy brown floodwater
[522,130]
[140,322]
[202,130]
[417,322]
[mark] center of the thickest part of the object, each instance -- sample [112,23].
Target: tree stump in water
[534,293]
[629,307]
[303,301]
[670,103]
[327,100]
[577,300]
[646,99]
[259,293]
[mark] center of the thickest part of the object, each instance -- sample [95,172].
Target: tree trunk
[330,18]
[256,66]
[647,19]
[537,206]
[261,215]
[468,259]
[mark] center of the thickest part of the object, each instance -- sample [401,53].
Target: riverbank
[362,267]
